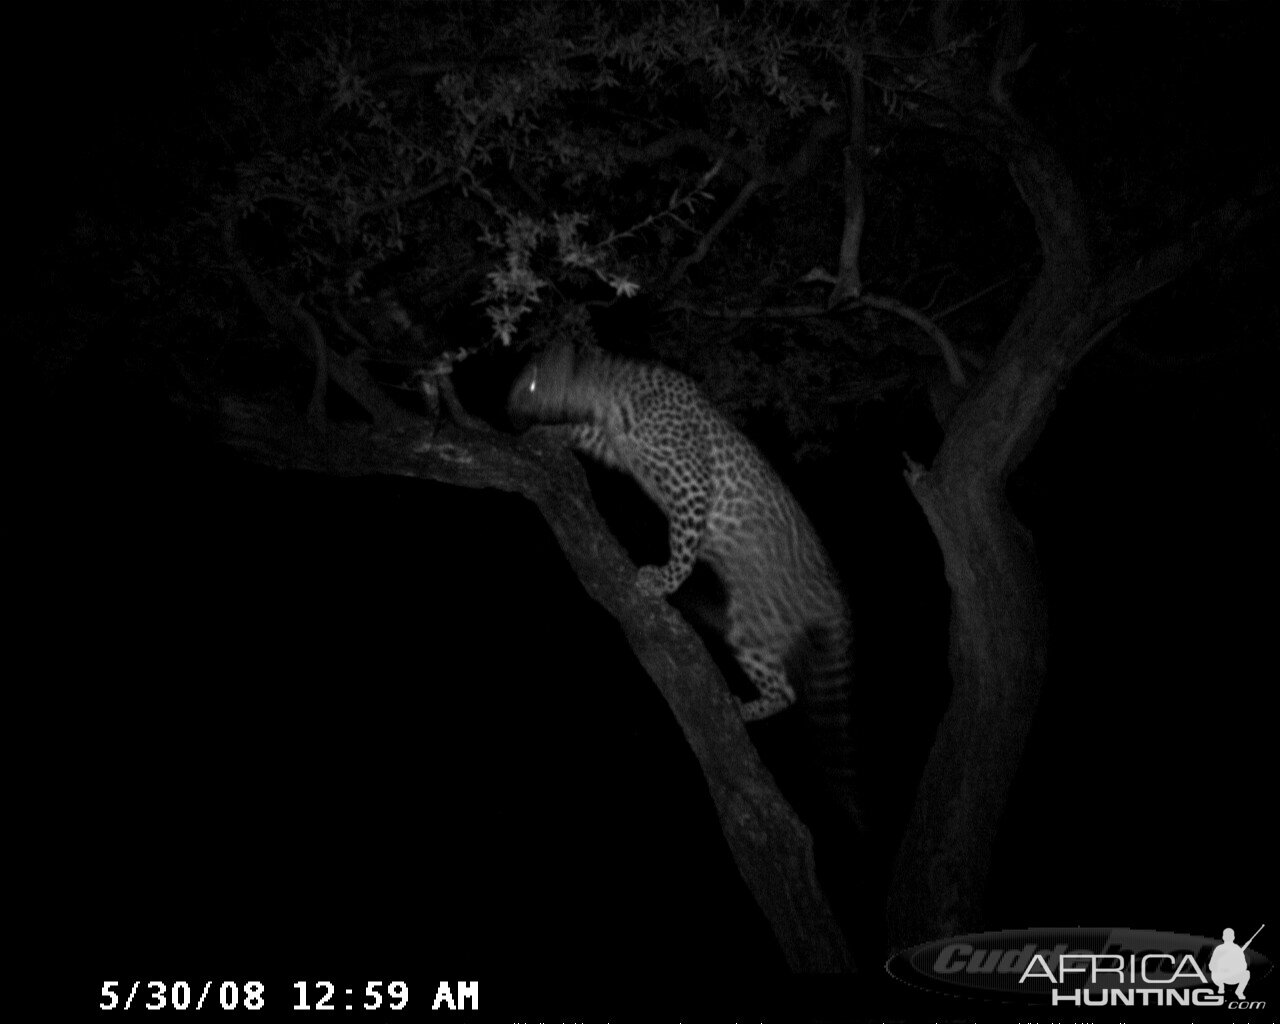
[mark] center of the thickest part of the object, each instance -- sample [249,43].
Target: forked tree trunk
[997,657]
[998,653]
[998,627]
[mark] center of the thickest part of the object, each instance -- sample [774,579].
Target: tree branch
[704,245]
[799,166]
[770,845]
[954,370]
[1136,277]
[725,312]
[849,275]
[301,328]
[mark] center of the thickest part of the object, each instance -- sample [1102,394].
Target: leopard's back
[788,623]
[764,547]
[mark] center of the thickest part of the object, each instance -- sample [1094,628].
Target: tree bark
[998,627]
[771,847]
[997,656]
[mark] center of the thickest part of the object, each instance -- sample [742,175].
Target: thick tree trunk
[998,626]
[998,655]
[997,661]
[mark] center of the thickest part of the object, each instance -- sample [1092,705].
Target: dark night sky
[347,725]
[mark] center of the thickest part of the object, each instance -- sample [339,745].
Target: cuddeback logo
[1089,967]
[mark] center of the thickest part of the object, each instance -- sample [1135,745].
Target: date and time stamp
[305,996]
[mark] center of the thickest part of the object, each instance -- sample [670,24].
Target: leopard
[787,622]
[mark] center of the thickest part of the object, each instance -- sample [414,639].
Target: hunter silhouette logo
[1088,967]
[1227,966]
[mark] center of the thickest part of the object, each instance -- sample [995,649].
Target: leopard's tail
[820,662]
